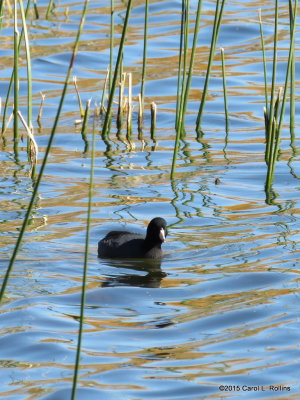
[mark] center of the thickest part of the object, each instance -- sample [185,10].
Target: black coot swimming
[120,244]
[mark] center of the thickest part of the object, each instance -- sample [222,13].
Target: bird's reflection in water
[145,273]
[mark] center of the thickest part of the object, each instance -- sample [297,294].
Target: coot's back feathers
[122,244]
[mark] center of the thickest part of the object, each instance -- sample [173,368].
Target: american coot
[120,244]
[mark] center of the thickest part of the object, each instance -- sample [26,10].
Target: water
[222,308]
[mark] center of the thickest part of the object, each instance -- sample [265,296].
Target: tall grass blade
[111,52]
[274,69]
[264,60]
[36,10]
[106,123]
[179,82]
[49,8]
[39,117]
[129,109]
[141,115]
[225,90]
[85,124]
[16,76]
[4,123]
[82,111]
[182,81]
[289,67]
[102,106]
[32,145]
[153,121]
[292,14]
[185,95]
[1,14]
[43,165]
[121,103]
[217,23]
[275,124]
[28,60]
[86,253]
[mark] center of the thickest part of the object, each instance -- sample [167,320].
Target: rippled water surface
[219,316]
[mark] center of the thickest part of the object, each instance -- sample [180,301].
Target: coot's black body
[121,244]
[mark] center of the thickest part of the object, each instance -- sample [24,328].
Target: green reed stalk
[185,96]
[4,124]
[36,10]
[292,13]
[225,90]
[141,113]
[50,8]
[111,53]
[39,117]
[16,76]
[153,121]
[85,124]
[32,145]
[217,23]
[107,119]
[102,107]
[1,14]
[43,165]
[179,83]
[121,103]
[289,66]
[185,55]
[140,117]
[86,252]
[182,67]
[275,125]
[274,139]
[29,74]
[129,108]
[82,111]
[274,70]
[264,60]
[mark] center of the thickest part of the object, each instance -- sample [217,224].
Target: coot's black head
[157,230]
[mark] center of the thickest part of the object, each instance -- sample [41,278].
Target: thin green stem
[292,14]
[224,89]
[106,123]
[274,131]
[185,96]
[36,11]
[1,14]
[289,66]
[4,124]
[184,72]
[50,8]
[16,76]
[274,70]
[179,78]
[216,28]
[86,253]
[144,53]
[153,121]
[29,75]
[82,111]
[85,124]
[40,175]
[264,60]
[111,53]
